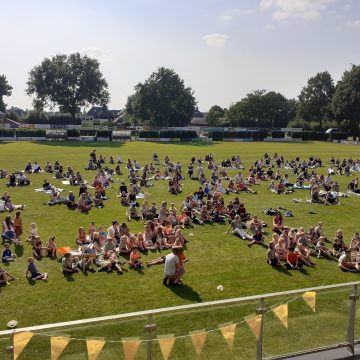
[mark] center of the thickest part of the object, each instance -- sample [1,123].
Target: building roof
[199,121]
[9,121]
[98,112]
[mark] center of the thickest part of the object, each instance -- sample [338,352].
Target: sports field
[214,257]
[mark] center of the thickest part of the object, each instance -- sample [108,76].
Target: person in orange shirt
[135,261]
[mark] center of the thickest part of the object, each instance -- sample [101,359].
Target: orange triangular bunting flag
[198,341]
[228,333]
[254,323]
[94,347]
[166,345]
[281,312]
[58,344]
[130,348]
[21,339]
[310,298]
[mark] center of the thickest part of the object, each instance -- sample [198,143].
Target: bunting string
[166,342]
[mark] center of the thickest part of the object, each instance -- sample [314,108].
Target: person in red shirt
[292,260]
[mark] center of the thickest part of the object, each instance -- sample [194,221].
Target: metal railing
[261,309]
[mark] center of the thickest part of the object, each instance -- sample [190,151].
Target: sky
[223,49]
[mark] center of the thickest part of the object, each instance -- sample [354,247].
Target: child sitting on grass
[37,247]
[50,247]
[135,261]
[5,277]
[68,264]
[7,255]
[34,272]
[292,260]
[321,248]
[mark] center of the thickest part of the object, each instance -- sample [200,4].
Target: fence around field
[252,327]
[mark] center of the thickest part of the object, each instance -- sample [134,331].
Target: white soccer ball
[220,288]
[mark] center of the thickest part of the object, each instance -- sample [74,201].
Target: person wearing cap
[346,264]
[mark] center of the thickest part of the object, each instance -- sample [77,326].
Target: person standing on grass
[173,269]
[237,228]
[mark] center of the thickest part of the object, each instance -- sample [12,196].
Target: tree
[69,81]
[346,100]
[5,90]
[162,100]
[215,114]
[315,98]
[261,109]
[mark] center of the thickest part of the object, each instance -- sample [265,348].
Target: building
[19,112]
[98,112]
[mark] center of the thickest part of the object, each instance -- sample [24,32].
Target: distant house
[8,123]
[98,112]
[199,121]
[19,112]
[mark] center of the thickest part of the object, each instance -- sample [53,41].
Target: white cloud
[354,24]
[225,18]
[269,27]
[230,15]
[216,40]
[96,53]
[303,9]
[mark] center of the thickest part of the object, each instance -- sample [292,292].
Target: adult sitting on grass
[8,230]
[173,269]
[346,264]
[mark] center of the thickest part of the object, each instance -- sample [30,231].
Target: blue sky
[223,49]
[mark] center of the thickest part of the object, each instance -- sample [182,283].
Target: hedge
[30,133]
[103,133]
[217,136]
[296,135]
[73,133]
[7,132]
[174,134]
[277,134]
[148,134]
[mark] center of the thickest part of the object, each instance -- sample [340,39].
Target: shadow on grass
[95,144]
[283,270]
[19,250]
[69,277]
[186,292]
[31,281]
[304,271]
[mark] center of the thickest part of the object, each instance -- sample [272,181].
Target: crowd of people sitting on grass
[104,249]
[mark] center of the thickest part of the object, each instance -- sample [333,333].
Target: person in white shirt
[173,270]
[345,263]
[36,167]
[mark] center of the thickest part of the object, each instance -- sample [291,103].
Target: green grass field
[215,258]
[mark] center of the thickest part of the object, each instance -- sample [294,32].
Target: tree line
[74,81]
